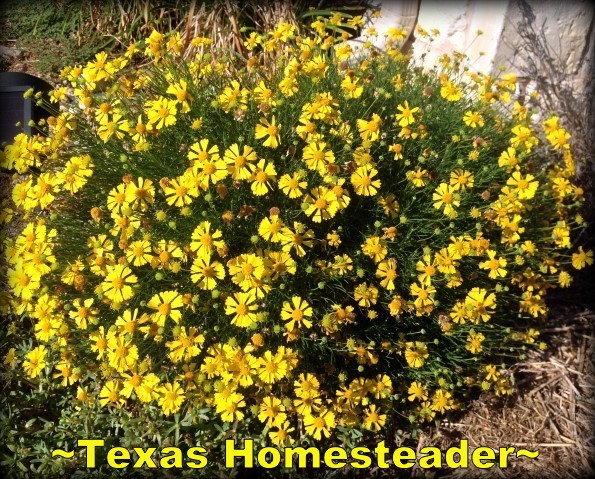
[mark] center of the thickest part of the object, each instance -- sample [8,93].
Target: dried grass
[552,412]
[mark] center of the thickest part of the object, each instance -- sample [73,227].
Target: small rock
[10,53]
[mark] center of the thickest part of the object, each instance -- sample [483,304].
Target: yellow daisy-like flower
[375,248]
[138,253]
[416,353]
[524,186]
[494,265]
[35,361]
[166,304]
[161,112]
[582,258]
[292,185]
[373,419]
[387,272]
[271,229]
[205,272]
[117,283]
[423,295]
[238,164]
[317,156]
[320,423]
[363,182]
[473,119]
[171,397]
[262,178]
[406,117]
[480,304]
[417,392]
[243,308]
[369,130]
[272,412]
[297,315]
[110,394]
[321,204]
[204,241]
[270,131]
[445,196]
[272,367]
[122,354]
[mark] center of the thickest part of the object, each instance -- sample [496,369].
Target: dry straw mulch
[553,410]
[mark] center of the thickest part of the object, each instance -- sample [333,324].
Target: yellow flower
[525,187]
[180,191]
[494,265]
[110,394]
[83,313]
[233,97]
[441,401]
[271,229]
[417,391]
[180,91]
[473,119]
[204,241]
[239,163]
[272,412]
[246,270]
[161,112]
[230,405]
[300,313]
[582,258]
[317,156]
[559,138]
[461,179]
[186,345]
[375,248]
[138,253]
[416,353]
[292,185]
[207,166]
[206,273]
[270,130]
[242,306]
[369,130]
[363,182]
[321,204]
[171,397]
[508,159]
[117,283]
[451,91]
[474,339]
[281,435]
[423,295]
[523,137]
[351,88]
[166,304]
[320,423]
[365,295]
[122,354]
[262,178]
[479,305]
[35,361]
[418,177]
[387,271]
[447,197]
[272,368]
[406,117]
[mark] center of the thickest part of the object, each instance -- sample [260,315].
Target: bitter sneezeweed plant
[314,244]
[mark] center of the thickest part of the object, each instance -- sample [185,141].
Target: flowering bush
[313,246]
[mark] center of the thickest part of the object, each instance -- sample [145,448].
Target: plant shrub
[313,247]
